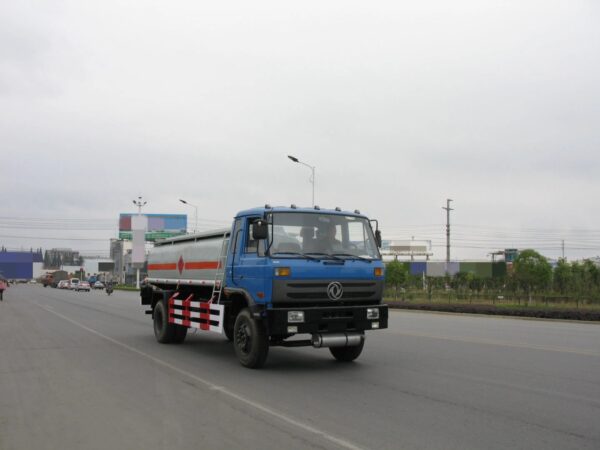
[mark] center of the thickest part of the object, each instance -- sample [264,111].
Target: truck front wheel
[250,340]
[347,354]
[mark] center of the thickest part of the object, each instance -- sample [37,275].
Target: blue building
[19,265]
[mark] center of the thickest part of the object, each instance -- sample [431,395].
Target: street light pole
[139,203]
[195,213]
[312,178]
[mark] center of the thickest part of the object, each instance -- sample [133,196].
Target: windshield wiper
[324,254]
[350,255]
[305,255]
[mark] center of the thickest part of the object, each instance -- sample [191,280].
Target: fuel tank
[192,259]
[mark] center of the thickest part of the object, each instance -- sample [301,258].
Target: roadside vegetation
[532,288]
[124,287]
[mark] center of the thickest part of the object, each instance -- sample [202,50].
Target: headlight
[282,271]
[295,316]
[372,313]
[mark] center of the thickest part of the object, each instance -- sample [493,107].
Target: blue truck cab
[300,271]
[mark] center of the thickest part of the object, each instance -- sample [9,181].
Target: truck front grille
[315,292]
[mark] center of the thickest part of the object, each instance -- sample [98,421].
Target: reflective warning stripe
[210,316]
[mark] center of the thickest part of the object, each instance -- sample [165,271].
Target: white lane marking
[498,343]
[265,409]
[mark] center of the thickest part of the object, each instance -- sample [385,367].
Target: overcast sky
[399,105]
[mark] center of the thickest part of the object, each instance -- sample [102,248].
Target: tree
[532,271]
[396,275]
[563,277]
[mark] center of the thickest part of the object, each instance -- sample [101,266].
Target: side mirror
[378,238]
[260,229]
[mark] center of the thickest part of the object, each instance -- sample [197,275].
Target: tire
[347,354]
[250,341]
[164,331]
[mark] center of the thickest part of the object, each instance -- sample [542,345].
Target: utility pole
[563,249]
[448,209]
[139,203]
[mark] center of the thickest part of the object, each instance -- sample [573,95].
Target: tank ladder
[220,272]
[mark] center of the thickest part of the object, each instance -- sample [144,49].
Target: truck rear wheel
[250,340]
[164,331]
[347,354]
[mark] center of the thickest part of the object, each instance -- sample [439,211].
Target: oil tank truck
[281,276]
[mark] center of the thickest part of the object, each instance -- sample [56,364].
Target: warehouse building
[21,265]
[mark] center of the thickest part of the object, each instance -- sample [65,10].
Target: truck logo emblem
[335,290]
[180,265]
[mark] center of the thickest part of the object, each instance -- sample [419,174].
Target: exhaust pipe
[351,339]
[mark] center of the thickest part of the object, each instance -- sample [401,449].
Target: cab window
[252,245]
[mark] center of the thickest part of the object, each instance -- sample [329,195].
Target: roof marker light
[293,206]
[357,211]
[337,208]
[317,207]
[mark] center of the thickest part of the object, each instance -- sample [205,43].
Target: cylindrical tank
[186,260]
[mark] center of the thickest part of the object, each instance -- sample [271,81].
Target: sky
[399,105]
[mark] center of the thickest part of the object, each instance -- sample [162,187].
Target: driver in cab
[326,239]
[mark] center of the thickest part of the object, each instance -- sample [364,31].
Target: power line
[52,238]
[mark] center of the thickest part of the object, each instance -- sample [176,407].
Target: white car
[83,286]
[73,283]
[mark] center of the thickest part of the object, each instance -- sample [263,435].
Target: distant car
[98,285]
[63,284]
[73,282]
[82,286]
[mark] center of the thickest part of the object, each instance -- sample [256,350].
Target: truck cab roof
[259,211]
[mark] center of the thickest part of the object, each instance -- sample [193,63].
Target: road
[82,370]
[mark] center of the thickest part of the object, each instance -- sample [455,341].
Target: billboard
[159,226]
[106,266]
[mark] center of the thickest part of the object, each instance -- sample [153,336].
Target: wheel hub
[243,338]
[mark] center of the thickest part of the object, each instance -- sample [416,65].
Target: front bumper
[332,319]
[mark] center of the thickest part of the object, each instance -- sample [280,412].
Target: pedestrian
[3,286]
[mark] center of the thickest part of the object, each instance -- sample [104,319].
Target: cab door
[249,274]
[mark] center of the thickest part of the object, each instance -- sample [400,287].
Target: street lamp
[195,213]
[312,178]
[139,203]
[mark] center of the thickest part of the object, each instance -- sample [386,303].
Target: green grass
[538,303]
[125,287]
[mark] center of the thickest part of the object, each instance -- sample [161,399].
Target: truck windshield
[316,235]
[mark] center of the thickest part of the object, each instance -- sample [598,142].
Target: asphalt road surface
[83,371]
